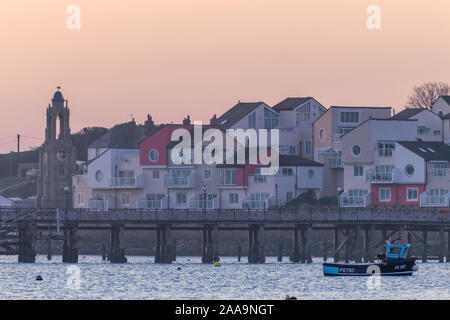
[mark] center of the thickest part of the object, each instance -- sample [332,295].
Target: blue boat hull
[399,267]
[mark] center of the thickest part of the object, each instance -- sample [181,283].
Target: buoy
[217,264]
[39,277]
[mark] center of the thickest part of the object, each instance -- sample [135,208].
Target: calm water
[142,279]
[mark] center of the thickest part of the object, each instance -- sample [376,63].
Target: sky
[171,58]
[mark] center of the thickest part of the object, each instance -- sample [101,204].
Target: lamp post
[204,198]
[339,192]
[276,195]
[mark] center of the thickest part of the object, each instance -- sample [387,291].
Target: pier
[354,230]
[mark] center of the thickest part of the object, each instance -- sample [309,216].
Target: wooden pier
[354,230]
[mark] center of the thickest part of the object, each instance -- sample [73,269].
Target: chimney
[213,120]
[149,125]
[187,121]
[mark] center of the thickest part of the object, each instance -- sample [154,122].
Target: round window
[153,155]
[99,175]
[409,170]
[322,135]
[310,173]
[356,150]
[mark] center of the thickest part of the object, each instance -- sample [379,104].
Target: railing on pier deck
[304,215]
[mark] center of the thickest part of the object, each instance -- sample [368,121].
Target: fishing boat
[393,263]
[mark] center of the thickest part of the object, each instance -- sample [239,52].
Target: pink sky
[199,57]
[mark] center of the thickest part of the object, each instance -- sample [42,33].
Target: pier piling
[296,248]
[117,249]
[441,245]
[425,247]
[26,243]
[256,251]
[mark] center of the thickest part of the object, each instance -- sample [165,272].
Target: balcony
[101,204]
[196,203]
[172,181]
[127,182]
[247,203]
[146,204]
[372,176]
[427,200]
[335,162]
[347,201]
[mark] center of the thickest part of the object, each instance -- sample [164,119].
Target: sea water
[188,278]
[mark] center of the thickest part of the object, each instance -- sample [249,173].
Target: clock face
[61,155]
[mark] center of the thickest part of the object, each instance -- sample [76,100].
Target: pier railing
[323,215]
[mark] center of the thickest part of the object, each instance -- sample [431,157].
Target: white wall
[404,157]
[440,106]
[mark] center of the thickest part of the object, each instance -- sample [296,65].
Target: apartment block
[328,130]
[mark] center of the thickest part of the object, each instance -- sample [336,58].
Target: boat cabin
[396,251]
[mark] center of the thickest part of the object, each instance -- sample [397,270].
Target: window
[344,130]
[153,155]
[350,116]
[227,176]
[258,177]
[258,200]
[61,172]
[308,147]
[126,173]
[357,193]
[421,130]
[125,198]
[99,176]
[287,172]
[61,155]
[270,120]
[233,198]
[154,196]
[155,174]
[310,173]
[97,152]
[409,170]
[303,114]
[358,171]
[252,121]
[80,198]
[384,172]
[439,170]
[322,135]
[207,174]
[292,150]
[412,194]
[356,150]
[385,148]
[384,194]
[181,198]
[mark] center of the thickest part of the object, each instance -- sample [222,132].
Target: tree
[425,95]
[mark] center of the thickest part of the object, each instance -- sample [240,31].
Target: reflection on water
[142,279]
